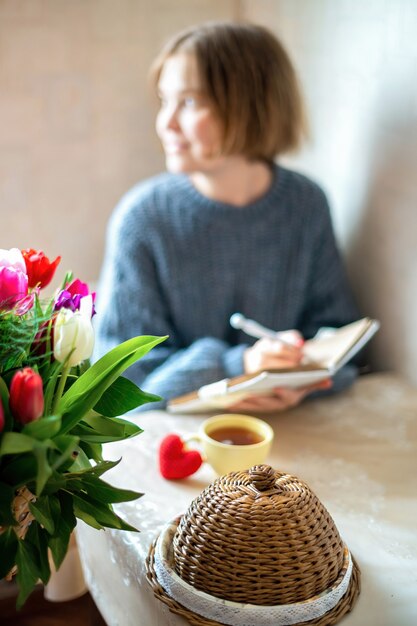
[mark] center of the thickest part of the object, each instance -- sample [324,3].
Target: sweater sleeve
[329,300]
[131,302]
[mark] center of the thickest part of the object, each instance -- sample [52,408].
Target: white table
[357,451]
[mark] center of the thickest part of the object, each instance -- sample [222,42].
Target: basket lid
[260,537]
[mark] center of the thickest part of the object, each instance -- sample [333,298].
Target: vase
[68,582]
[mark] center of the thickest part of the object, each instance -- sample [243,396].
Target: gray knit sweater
[179,264]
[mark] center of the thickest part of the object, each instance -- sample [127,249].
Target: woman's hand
[283,398]
[274,353]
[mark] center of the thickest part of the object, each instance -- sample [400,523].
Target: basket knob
[263,477]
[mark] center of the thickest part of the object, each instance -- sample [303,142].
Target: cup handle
[192,437]
[195,437]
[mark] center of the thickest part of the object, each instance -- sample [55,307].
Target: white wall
[76,117]
[358,65]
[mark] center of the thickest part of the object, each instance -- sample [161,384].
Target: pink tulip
[13,278]
[26,396]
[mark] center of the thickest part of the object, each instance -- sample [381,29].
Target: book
[324,355]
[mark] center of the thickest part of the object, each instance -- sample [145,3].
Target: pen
[252,328]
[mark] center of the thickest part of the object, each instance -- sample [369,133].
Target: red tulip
[26,396]
[44,335]
[39,269]
[1,417]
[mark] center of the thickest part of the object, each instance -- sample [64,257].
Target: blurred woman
[226,229]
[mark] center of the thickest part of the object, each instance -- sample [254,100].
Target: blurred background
[77,130]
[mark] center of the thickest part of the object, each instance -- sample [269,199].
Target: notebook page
[329,349]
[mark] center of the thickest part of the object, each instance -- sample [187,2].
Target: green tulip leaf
[44,469]
[55,509]
[38,538]
[50,387]
[4,392]
[104,492]
[92,450]
[100,429]
[56,482]
[88,518]
[44,428]
[81,462]
[8,550]
[100,512]
[58,545]
[87,390]
[28,571]
[122,396]
[114,426]
[67,446]
[41,511]
[4,400]
[15,443]
[64,526]
[97,470]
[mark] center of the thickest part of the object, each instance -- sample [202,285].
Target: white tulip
[13,258]
[74,334]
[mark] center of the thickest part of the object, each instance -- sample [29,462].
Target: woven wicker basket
[260,538]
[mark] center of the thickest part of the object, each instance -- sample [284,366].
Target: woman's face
[190,132]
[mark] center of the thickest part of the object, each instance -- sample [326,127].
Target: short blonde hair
[252,85]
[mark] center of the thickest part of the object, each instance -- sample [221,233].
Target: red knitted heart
[175,461]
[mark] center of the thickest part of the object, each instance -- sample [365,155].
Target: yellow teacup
[233,442]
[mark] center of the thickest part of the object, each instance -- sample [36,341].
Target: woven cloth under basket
[258,537]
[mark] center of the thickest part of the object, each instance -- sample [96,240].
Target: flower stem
[60,388]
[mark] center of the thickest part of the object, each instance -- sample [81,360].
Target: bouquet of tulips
[56,411]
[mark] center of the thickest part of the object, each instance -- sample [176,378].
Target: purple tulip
[70,297]
[66,301]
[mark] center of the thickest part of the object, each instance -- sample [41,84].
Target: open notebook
[327,352]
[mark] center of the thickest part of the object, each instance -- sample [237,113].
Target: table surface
[358,453]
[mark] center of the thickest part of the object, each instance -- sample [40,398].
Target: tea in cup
[233,442]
